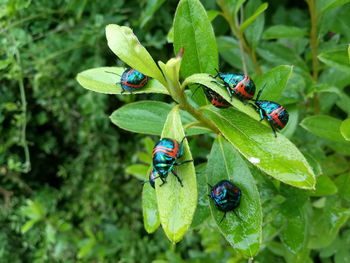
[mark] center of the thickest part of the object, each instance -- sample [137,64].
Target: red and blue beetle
[226,196]
[273,112]
[131,80]
[165,155]
[240,86]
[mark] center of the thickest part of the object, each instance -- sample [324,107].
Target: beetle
[131,80]
[165,154]
[241,86]
[214,98]
[273,112]
[226,196]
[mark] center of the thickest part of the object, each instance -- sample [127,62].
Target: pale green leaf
[123,42]
[345,129]
[281,31]
[177,204]
[99,80]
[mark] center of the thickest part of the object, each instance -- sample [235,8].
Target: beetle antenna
[195,91]
[113,73]
[210,186]
[259,93]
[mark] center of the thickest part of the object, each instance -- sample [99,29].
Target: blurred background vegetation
[64,192]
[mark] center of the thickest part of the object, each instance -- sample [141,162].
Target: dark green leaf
[148,117]
[151,7]
[243,233]
[324,186]
[343,184]
[276,80]
[177,204]
[99,80]
[193,31]
[277,157]
[254,30]
[336,59]
[325,5]
[324,126]
[326,223]
[280,31]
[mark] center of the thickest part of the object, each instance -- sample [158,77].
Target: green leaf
[254,30]
[254,16]
[293,235]
[123,42]
[324,186]
[281,31]
[336,59]
[193,31]
[151,7]
[137,170]
[324,126]
[177,204]
[277,157]
[206,80]
[243,233]
[99,80]
[151,219]
[276,80]
[326,223]
[28,225]
[343,184]
[345,129]
[148,117]
[325,5]
[232,6]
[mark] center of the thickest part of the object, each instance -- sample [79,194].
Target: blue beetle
[131,80]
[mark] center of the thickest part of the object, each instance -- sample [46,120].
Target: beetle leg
[261,112]
[177,177]
[217,83]
[223,217]
[123,90]
[183,162]
[274,130]
[162,181]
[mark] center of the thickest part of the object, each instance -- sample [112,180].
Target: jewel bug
[131,80]
[226,196]
[273,112]
[165,154]
[240,86]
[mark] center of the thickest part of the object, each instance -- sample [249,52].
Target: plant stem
[240,36]
[184,105]
[314,47]
[27,164]
[244,63]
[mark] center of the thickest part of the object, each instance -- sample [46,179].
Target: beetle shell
[165,154]
[216,99]
[152,177]
[241,86]
[274,113]
[132,80]
[226,195]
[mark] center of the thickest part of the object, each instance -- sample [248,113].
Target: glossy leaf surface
[177,204]
[99,80]
[277,157]
[243,233]
[148,117]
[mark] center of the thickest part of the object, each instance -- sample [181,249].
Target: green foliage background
[71,197]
